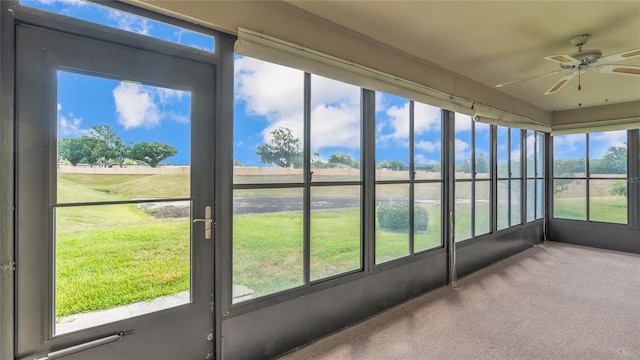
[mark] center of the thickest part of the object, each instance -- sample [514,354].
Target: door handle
[208,222]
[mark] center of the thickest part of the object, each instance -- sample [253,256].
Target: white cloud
[135,106]
[167,96]
[423,160]
[293,122]
[129,22]
[515,155]
[77,3]
[335,126]
[333,92]
[398,123]
[600,142]
[567,144]
[177,117]
[426,118]
[68,124]
[275,93]
[463,122]
[463,150]
[427,146]
[531,146]
[612,138]
[267,89]
[482,127]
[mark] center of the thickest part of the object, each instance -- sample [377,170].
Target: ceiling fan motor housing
[587,57]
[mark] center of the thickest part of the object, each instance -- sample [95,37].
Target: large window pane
[503,204]
[531,154]
[516,201]
[267,241]
[608,172]
[463,126]
[531,200]
[110,256]
[392,138]
[268,122]
[608,154]
[462,211]
[392,222]
[515,154]
[335,230]
[483,155]
[503,152]
[569,153]
[129,154]
[335,130]
[427,216]
[95,13]
[540,155]
[482,216]
[427,138]
[608,201]
[569,200]
[120,142]
[539,199]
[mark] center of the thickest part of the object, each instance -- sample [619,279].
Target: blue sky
[124,21]
[270,96]
[135,112]
[267,96]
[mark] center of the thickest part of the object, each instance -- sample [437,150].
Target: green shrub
[395,217]
[618,188]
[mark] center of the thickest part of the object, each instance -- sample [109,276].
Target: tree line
[285,151]
[613,162]
[101,146]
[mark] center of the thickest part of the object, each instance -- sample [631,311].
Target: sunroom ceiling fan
[578,63]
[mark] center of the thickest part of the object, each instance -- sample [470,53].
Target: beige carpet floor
[554,301]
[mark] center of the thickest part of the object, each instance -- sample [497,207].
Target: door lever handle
[208,222]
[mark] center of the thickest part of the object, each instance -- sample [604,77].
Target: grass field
[611,209]
[110,255]
[572,203]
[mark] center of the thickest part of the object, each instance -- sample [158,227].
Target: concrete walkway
[86,320]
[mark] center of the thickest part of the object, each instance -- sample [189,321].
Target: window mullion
[368,172]
[473,179]
[633,178]
[587,174]
[412,176]
[307,175]
[509,174]
[493,155]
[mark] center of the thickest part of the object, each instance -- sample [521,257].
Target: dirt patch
[163,210]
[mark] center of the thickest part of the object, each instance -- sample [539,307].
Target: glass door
[115,196]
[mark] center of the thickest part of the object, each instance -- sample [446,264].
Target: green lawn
[111,255]
[611,209]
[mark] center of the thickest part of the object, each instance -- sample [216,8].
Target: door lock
[208,222]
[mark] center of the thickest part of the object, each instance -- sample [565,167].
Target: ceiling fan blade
[532,77]
[619,69]
[629,54]
[562,59]
[561,83]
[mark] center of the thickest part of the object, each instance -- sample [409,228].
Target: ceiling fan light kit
[577,64]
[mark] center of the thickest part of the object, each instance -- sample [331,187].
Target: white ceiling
[488,42]
[498,41]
